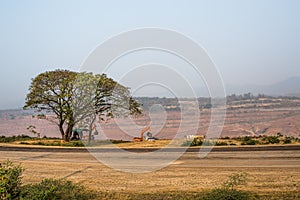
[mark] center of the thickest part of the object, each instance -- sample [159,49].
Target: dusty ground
[269,171]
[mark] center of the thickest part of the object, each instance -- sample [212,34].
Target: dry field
[270,172]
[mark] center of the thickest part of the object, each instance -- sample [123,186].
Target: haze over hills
[288,87]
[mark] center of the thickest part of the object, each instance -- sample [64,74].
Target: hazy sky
[251,42]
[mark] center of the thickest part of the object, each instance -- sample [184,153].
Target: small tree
[235,180]
[32,129]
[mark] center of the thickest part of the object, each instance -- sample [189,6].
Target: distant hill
[288,87]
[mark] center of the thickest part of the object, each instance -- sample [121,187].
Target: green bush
[118,141]
[287,140]
[4,139]
[250,142]
[273,139]
[235,180]
[209,143]
[247,140]
[10,176]
[199,142]
[221,143]
[194,142]
[50,189]
[73,144]
[224,194]
[226,138]
[228,190]
[24,143]
[38,143]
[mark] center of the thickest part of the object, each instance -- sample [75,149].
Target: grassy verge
[45,141]
[197,141]
[240,141]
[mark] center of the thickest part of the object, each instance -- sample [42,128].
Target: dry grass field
[271,173]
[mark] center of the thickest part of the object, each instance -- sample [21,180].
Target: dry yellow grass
[268,171]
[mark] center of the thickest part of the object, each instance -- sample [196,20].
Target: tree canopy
[78,98]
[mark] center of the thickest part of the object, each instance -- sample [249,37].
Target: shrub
[224,194]
[50,189]
[24,143]
[226,138]
[221,143]
[73,144]
[10,176]
[273,139]
[38,143]
[246,138]
[250,142]
[118,141]
[228,190]
[4,139]
[235,180]
[199,142]
[287,140]
[194,142]
[209,143]
[279,135]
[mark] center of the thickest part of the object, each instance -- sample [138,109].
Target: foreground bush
[228,190]
[50,189]
[10,176]
[225,194]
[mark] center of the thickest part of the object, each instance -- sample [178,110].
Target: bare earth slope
[261,117]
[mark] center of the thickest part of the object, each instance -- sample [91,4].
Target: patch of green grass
[75,143]
[4,139]
[103,142]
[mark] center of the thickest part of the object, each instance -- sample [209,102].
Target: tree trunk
[62,132]
[91,129]
[68,133]
[90,136]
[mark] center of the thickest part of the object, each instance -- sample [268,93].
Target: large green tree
[79,98]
